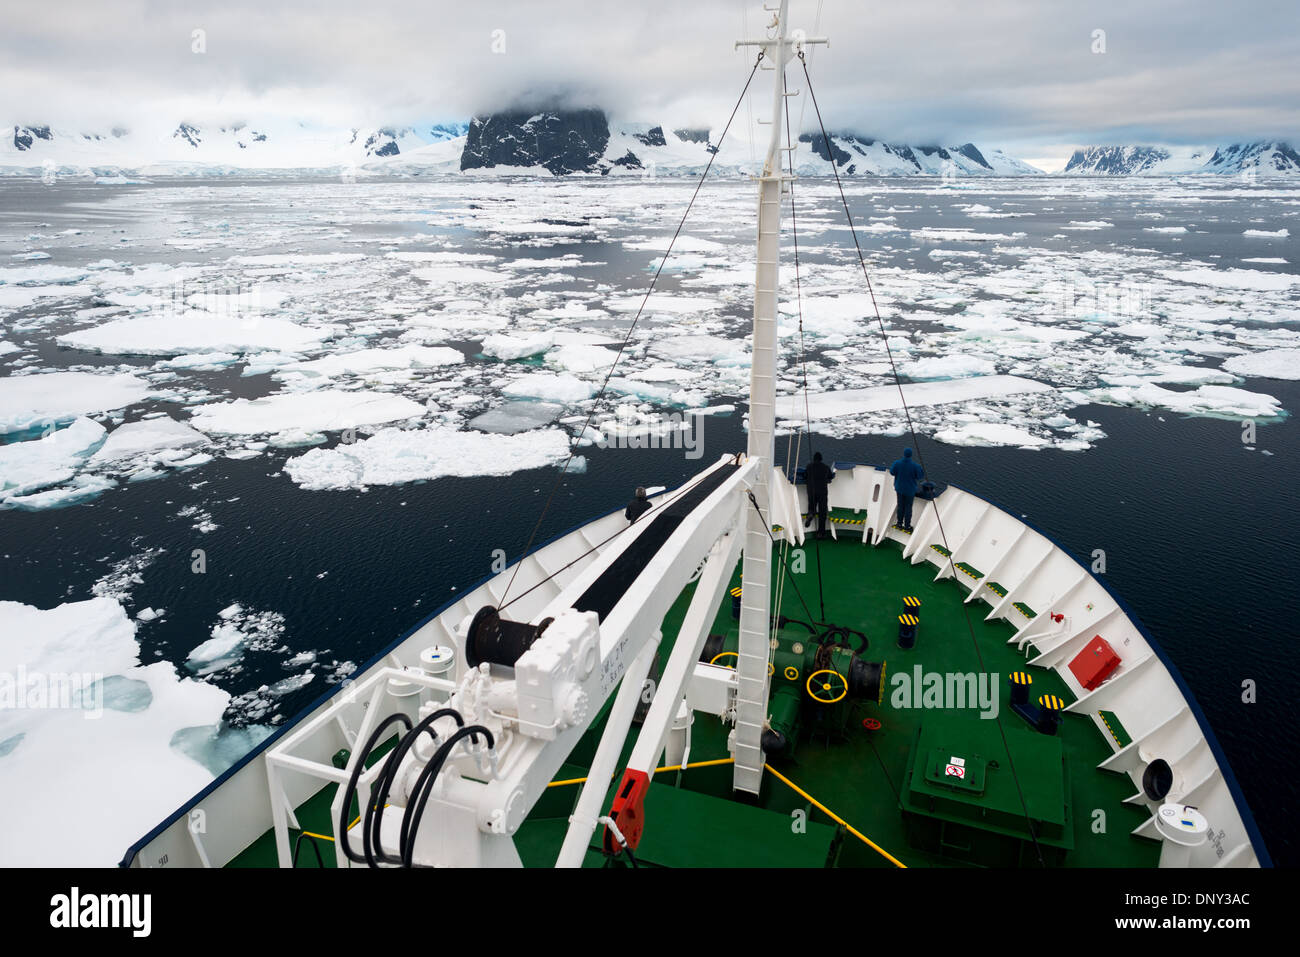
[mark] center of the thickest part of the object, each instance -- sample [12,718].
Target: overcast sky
[1016,74]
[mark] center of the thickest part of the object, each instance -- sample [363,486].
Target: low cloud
[1010,73]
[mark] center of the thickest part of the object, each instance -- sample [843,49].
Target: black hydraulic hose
[352,783]
[297,846]
[838,632]
[424,787]
[783,621]
[371,843]
[841,631]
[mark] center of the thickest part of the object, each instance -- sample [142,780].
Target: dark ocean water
[1199,532]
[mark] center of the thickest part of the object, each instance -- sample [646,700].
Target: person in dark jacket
[818,476]
[906,474]
[637,507]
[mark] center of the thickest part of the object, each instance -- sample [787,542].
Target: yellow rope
[835,817]
[670,767]
[708,764]
[326,837]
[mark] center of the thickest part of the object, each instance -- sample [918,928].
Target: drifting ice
[393,456]
[35,400]
[325,410]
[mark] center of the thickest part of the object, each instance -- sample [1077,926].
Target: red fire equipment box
[1095,663]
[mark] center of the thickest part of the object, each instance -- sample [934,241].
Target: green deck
[863,777]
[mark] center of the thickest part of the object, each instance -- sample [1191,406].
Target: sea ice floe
[700,348]
[995,327]
[1233,278]
[219,651]
[455,274]
[581,358]
[94,728]
[557,387]
[990,434]
[961,235]
[1165,374]
[322,410]
[1209,400]
[1271,364]
[298,259]
[192,332]
[43,275]
[393,456]
[663,374]
[440,257]
[662,302]
[826,405]
[517,347]
[134,440]
[200,361]
[948,367]
[514,417]
[374,360]
[43,398]
[80,489]
[26,467]
[237,632]
[292,439]
[683,244]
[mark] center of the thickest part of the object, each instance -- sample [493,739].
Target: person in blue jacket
[906,474]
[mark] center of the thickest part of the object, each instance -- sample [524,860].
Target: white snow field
[86,734]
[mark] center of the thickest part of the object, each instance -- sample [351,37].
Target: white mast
[755,608]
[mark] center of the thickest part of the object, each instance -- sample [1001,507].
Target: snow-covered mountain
[856,155]
[564,142]
[555,142]
[1263,158]
[190,147]
[586,141]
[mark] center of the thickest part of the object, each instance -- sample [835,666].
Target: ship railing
[382,688]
